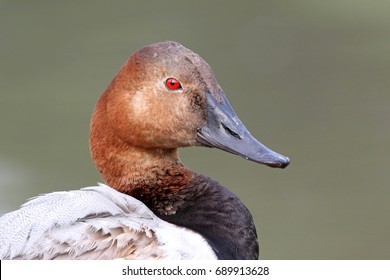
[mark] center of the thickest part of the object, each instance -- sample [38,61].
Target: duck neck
[145,170]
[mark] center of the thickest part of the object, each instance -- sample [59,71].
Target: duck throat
[133,170]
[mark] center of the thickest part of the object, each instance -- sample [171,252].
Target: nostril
[231,132]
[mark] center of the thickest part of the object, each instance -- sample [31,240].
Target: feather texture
[94,223]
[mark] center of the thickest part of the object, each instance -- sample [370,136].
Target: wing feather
[94,223]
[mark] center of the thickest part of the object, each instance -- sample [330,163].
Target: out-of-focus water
[310,79]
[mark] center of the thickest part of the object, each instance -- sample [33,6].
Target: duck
[151,206]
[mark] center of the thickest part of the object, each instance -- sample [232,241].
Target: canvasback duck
[152,207]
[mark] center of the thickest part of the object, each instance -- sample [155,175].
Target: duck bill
[225,131]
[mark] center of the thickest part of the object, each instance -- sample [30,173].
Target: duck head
[163,98]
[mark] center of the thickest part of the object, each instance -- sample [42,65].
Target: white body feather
[94,223]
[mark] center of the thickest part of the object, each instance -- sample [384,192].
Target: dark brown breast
[210,210]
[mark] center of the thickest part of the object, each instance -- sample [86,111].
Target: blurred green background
[310,79]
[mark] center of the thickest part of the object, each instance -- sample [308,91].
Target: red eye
[172,84]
